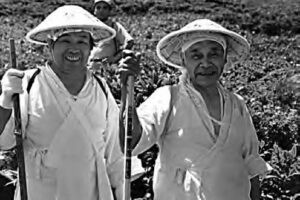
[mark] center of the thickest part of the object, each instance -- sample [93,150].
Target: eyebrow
[218,49]
[195,50]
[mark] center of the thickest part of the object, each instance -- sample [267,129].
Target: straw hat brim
[78,19]
[169,47]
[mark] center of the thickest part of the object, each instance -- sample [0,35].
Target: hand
[115,58]
[129,65]
[11,84]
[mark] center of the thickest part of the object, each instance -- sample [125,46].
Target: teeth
[72,58]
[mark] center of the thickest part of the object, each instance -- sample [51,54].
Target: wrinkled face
[102,11]
[70,52]
[204,62]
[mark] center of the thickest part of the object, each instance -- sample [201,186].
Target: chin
[206,84]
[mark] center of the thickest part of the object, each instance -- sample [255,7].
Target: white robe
[193,163]
[71,143]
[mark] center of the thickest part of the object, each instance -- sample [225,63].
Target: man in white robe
[208,148]
[69,116]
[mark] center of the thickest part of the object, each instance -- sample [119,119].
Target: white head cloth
[203,37]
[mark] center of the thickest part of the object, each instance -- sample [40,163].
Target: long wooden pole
[18,130]
[128,137]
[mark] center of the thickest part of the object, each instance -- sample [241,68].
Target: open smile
[73,58]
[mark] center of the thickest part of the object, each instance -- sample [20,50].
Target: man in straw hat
[69,116]
[109,52]
[208,144]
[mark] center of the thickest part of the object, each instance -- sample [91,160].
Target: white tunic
[193,163]
[71,143]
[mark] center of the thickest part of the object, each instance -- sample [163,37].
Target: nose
[73,50]
[100,8]
[205,63]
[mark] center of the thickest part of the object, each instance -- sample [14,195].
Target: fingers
[15,72]
[129,53]
[129,65]
[12,82]
[130,60]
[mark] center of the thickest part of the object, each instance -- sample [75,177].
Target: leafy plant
[283,182]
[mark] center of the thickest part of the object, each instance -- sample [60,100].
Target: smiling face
[102,11]
[204,62]
[70,52]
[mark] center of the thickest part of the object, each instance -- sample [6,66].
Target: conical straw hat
[169,47]
[69,18]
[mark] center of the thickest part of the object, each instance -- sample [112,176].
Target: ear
[50,43]
[225,55]
[92,42]
[183,59]
[113,11]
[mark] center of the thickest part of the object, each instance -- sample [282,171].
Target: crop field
[269,80]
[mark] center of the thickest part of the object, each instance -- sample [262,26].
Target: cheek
[87,51]
[220,66]
[58,48]
[189,64]
[191,70]
[57,53]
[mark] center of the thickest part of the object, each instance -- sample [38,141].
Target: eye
[215,54]
[63,40]
[83,42]
[196,56]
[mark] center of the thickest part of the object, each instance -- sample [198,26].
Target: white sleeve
[122,35]
[254,162]
[7,138]
[153,114]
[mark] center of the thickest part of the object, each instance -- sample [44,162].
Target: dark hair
[94,5]
[92,42]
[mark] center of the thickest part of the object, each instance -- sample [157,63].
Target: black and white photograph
[149,100]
